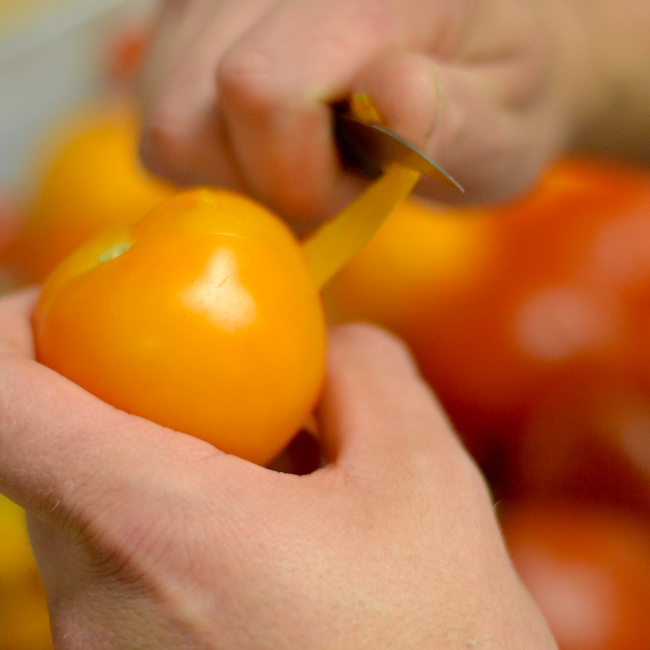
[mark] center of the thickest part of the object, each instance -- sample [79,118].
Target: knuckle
[299,203]
[248,80]
[466,479]
[165,142]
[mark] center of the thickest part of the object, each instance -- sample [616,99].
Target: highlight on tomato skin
[202,317]
[588,568]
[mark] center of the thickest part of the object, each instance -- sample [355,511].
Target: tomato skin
[587,567]
[207,323]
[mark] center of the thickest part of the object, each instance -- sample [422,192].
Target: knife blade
[370,148]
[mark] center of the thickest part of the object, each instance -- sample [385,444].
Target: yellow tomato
[92,181]
[423,255]
[202,317]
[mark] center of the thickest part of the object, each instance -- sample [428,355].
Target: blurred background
[531,320]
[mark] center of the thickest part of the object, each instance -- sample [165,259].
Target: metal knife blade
[370,148]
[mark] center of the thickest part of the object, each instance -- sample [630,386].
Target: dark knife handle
[354,150]
[369,149]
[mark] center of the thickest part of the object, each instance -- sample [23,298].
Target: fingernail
[437,90]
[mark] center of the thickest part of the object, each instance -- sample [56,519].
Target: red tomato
[587,439]
[588,569]
[202,317]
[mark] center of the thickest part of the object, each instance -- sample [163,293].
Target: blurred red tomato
[551,290]
[588,440]
[588,569]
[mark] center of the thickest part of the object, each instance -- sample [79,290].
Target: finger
[377,416]
[70,458]
[182,135]
[275,85]
[56,557]
[493,150]
[502,115]
[460,116]
[15,323]
[405,89]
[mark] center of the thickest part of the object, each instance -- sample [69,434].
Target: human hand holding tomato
[141,533]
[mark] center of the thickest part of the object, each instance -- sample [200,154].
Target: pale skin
[148,538]
[236,93]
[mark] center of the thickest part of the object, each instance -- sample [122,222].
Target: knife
[369,148]
[376,152]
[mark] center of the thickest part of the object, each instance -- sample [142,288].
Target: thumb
[405,88]
[468,119]
[377,415]
[62,450]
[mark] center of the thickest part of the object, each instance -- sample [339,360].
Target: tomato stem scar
[114,251]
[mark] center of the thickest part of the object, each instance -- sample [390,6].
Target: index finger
[275,84]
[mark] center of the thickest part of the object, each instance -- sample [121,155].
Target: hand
[148,538]
[237,93]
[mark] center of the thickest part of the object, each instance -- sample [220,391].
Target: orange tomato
[514,301]
[588,568]
[203,317]
[92,181]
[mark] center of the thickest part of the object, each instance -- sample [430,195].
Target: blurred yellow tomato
[24,621]
[423,255]
[91,180]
